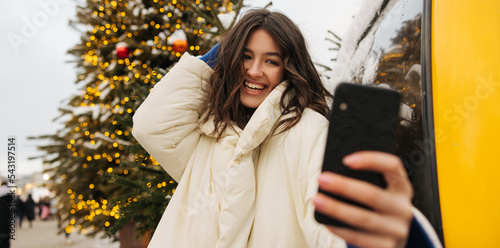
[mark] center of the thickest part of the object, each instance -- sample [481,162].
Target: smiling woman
[263,67]
[236,173]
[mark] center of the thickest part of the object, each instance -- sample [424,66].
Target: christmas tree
[102,177]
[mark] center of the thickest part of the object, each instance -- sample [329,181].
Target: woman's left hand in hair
[388,224]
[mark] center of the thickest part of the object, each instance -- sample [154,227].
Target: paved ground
[43,234]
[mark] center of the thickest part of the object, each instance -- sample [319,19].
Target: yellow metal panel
[466,98]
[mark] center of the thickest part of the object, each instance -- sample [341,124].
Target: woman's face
[263,68]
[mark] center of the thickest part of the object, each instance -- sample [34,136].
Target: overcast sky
[36,78]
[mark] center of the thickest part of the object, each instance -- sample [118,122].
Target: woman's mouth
[253,87]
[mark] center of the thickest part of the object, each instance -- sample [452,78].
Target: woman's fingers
[363,219]
[388,165]
[387,224]
[365,193]
[365,240]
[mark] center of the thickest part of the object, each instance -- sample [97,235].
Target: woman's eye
[245,56]
[272,62]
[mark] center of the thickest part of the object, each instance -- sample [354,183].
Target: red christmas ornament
[122,50]
[180,45]
[178,41]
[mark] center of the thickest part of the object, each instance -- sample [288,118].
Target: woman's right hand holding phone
[389,223]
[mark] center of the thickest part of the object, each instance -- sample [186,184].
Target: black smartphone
[362,118]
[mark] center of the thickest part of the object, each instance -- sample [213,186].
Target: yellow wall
[466,97]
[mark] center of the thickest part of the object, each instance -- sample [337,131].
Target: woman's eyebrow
[267,53]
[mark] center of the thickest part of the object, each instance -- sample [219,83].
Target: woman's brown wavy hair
[224,96]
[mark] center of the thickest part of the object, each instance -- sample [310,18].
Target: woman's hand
[389,223]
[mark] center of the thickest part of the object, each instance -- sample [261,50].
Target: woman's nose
[254,70]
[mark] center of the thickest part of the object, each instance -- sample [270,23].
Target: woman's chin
[251,99]
[250,102]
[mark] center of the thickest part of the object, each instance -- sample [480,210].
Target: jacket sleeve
[165,123]
[422,235]
[316,234]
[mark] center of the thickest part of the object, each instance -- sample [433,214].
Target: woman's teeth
[254,87]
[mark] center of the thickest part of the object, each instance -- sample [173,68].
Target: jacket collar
[260,124]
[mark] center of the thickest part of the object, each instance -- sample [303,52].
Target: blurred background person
[20,209]
[30,209]
[4,216]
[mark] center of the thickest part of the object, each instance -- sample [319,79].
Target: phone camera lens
[343,106]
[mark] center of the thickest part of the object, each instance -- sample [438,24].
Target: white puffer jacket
[250,189]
